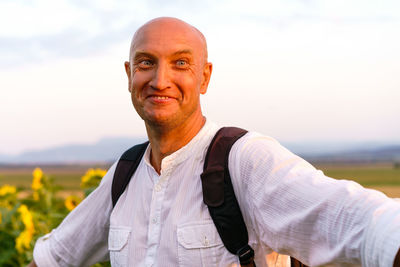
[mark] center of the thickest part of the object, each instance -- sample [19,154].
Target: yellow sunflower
[7,189]
[92,177]
[26,216]
[37,179]
[71,202]
[22,242]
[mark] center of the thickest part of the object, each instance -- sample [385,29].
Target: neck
[165,142]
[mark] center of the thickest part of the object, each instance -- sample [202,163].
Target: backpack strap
[296,263]
[219,196]
[126,167]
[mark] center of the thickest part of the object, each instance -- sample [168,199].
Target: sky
[299,71]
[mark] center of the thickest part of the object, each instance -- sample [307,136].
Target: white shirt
[288,206]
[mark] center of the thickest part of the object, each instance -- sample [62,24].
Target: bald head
[167,72]
[165,26]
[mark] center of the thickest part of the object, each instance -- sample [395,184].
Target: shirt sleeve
[81,238]
[296,210]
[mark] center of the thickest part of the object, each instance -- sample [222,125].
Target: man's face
[167,73]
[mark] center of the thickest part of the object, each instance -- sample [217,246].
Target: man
[161,220]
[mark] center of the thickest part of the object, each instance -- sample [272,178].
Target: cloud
[74,28]
[41,33]
[46,30]
[68,43]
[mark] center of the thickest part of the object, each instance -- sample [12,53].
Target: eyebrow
[139,54]
[183,51]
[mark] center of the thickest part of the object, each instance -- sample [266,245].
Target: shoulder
[256,156]
[255,146]
[108,177]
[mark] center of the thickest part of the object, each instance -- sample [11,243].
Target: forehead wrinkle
[179,52]
[183,51]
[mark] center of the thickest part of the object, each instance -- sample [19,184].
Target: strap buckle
[246,255]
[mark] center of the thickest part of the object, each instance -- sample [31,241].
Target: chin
[164,122]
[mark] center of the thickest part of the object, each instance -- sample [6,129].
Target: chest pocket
[118,241]
[200,245]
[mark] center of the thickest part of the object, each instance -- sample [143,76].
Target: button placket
[154,230]
[157,188]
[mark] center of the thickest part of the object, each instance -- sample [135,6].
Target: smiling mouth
[160,99]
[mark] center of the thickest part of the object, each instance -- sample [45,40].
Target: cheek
[188,83]
[136,82]
[135,89]
[139,80]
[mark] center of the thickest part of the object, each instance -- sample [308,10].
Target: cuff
[41,253]
[383,236]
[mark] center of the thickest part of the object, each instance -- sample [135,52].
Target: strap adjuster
[246,255]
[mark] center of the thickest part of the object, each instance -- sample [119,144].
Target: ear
[128,73]
[207,70]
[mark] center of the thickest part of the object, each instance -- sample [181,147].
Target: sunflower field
[27,215]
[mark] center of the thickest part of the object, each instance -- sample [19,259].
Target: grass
[24,180]
[68,177]
[382,177]
[367,177]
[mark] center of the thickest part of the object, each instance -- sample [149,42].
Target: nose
[161,79]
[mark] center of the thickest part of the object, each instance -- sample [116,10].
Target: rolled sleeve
[382,239]
[42,252]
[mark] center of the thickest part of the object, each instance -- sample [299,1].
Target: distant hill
[381,154]
[106,150]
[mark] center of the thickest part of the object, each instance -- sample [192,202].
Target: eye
[181,63]
[145,64]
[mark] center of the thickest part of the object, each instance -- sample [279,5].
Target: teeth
[161,97]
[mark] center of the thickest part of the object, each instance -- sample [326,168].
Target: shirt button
[206,242]
[154,220]
[158,188]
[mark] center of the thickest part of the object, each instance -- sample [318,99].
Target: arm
[81,239]
[294,209]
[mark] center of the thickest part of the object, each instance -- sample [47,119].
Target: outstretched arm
[295,209]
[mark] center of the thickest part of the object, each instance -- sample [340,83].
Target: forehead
[166,38]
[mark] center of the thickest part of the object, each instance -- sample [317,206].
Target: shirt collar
[201,139]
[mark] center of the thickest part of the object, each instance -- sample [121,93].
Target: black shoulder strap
[296,263]
[126,167]
[220,198]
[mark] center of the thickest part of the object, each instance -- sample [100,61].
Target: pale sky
[299,71]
